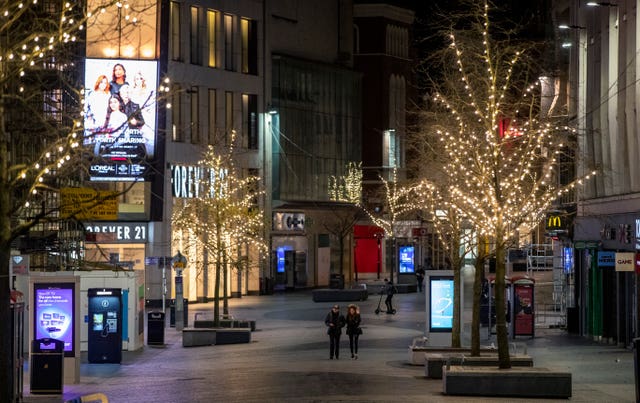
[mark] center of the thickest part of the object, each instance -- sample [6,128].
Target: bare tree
[493,154]
[223,218]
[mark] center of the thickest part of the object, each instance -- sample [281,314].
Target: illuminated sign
[606,259]
[54,313]
[625,261]
[288,221]
[120,117]
[441,304]
[189,181]
[88,204]
[637,233]
[121,232]
[406,256]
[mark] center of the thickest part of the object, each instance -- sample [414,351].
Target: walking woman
[353,329]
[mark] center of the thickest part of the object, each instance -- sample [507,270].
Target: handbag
[359,331]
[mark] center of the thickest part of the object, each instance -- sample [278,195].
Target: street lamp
[600,3]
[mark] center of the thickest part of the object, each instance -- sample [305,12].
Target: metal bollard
[636,362]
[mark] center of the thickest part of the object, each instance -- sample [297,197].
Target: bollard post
[636,359]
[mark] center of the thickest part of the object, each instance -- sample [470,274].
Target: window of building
[194,123]
[194,37]
[228,116]
[228,42]
[212,116]
[52,105]
[177,133]
[250,121]
[249,46]
[175,32]
[212,18]
[124,32]
[391,149]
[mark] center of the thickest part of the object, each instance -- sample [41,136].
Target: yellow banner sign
[88,204]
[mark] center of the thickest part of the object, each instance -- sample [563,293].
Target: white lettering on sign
[122,232]
[190,181]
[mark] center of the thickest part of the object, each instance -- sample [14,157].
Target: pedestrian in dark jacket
[353,329]
[335,322]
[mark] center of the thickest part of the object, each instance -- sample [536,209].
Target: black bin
[47,363]
[155,328]
[172,315]
[336,281]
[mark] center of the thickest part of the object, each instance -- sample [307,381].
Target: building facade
[604,86]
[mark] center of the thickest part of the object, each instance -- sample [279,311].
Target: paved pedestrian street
[288,361]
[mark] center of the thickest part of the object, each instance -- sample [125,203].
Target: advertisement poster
[523,306]
[120,117]
[53,315]
[441,303]
[406,256]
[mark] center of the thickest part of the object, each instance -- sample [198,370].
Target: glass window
[249,46]
[212,115]
[125,32]
[194,37]
[250,121]
[175,31]
[212,18]
[228,116]
[228,42]
[176,114]
[194,123]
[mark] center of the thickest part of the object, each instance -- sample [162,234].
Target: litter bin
[336,281]
[155,328]
[172,315]
[47,359]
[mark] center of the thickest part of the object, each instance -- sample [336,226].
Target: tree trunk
[6,362]
[225,273]
[502,335]
[216,291]
[477,294]
[455,326]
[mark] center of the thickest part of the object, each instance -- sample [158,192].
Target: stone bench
[334,295]
[226,323]
[434,362]
[513,382]
[193,337]
[233,336]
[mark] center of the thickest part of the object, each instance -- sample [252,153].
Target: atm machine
[105,325]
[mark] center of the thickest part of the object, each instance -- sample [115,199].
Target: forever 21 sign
[189,181]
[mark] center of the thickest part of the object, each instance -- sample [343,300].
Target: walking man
[335,322]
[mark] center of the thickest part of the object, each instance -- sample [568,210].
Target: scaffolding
[539,257]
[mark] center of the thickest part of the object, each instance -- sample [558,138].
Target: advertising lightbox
[120,117]
[406,256]
[54,313]
[441,304]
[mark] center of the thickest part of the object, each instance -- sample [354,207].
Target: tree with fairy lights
[346,191]
[493,153]
[222,219]
[40,125]
[399,202]
[41,151]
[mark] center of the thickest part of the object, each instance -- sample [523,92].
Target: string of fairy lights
[501,181]
[35,49]
[225,217]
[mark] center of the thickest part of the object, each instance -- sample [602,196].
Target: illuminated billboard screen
[120,117]
[440,304]
[406,256]
[54,313]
